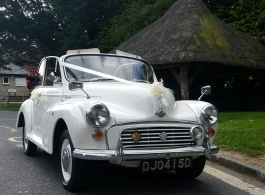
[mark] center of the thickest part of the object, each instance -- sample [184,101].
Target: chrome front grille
[177,137]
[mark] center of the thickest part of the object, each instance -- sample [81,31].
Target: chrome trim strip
[157,122]
[142,154]
[106,134]
[63,95]
[214,150]
[69,96]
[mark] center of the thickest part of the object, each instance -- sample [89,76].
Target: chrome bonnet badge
[136,136]
[163,136]
[160,111]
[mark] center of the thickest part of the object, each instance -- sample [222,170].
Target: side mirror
[75,86]
[206,90]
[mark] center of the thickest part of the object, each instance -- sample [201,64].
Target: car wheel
[195,171]
[72,169]
[30,149]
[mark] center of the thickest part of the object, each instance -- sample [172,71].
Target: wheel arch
[58,130]
[24,116]
[21,120]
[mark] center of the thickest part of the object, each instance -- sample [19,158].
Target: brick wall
[21,91]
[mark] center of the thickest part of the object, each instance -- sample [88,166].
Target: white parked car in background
[89,106]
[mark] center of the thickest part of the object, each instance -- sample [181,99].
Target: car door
[50,94]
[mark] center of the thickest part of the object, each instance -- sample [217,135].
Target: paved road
[20,174]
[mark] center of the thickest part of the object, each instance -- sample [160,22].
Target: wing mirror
[206,90]
[75,85]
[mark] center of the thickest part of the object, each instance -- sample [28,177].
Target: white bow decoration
[35,96]
[158,90]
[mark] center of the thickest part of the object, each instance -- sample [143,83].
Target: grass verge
[242,132]
[12,106]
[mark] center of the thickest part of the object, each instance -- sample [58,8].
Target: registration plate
[166,164]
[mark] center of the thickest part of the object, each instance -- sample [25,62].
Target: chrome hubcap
[66,159]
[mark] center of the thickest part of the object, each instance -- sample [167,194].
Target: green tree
[26,31]
[33,29]
[79,21]
[134,16]
[247,16]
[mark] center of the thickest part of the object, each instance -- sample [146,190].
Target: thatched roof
[190,32]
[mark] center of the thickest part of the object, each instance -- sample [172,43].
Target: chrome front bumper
[121,155]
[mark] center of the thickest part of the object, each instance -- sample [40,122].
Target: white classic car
[91,107]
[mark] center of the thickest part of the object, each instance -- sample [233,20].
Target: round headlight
[209,115]
[196,133]
[98,115]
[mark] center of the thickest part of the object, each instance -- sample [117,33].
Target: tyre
[72,169]
[30,149]
[195,171]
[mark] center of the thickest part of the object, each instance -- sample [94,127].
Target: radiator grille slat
[177,137]
[169,138]
[156,141]
[157,145]
[155,129]
[169,133]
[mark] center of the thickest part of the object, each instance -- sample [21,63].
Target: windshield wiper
[139,80]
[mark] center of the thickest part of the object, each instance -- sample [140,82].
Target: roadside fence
[8,99]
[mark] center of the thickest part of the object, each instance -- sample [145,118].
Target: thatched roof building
[190,32]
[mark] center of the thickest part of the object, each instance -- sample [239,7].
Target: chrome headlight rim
[205,116]
[95,106]
[192,129]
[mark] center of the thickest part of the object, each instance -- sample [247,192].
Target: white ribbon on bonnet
[157,89]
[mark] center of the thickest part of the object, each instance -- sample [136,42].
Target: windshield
[117,66]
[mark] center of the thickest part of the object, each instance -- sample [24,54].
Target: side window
[51,66]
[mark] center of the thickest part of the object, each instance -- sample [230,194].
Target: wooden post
[7,102]
[184,85]
[182,79]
